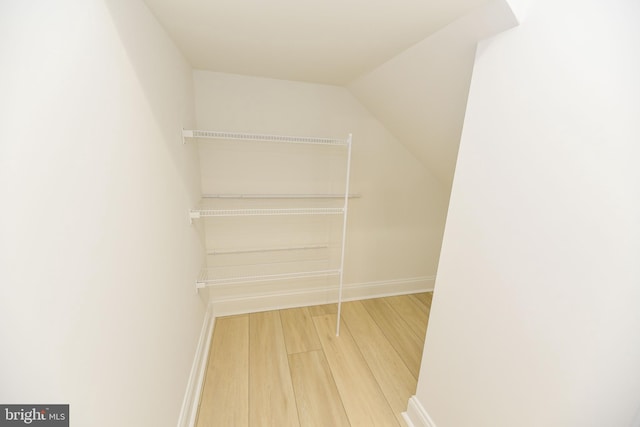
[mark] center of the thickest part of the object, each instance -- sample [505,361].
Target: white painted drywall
[97,257]
[420,95]
[330,41]
[535,317]
[394,229]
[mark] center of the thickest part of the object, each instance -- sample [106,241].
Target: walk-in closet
[307,206]
[338,213]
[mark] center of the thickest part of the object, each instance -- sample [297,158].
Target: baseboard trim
[322,295]
[416,415]
[191,401]
[383,288]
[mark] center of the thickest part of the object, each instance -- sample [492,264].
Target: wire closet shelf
[242,136]
[207,277]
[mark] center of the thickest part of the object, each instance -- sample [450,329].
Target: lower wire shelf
[207,278]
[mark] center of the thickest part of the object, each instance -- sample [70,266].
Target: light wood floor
[288,368]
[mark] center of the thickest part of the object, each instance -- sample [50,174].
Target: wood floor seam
[330,371]
[403,341]
[396,350]
[346,326]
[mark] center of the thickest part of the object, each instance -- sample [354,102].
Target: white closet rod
[241,136]
[280,196]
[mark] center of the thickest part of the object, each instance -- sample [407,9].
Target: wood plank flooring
[288,368]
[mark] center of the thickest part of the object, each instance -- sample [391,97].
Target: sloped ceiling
[321,41]
[421,94]
[408,61]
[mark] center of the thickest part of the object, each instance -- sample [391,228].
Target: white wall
[420,95]
[394,229]
[97,258]
[535,318]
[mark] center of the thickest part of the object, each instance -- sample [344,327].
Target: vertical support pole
[344,233]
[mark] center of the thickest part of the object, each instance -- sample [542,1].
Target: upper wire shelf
[242,136]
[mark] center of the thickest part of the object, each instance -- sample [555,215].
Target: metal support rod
[344,233]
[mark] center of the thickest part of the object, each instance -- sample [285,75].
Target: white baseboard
[191,400]
[321,295]
[416,415]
